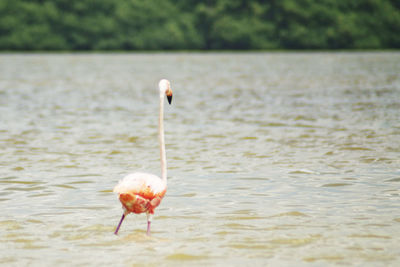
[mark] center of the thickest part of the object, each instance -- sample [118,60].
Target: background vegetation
[191,24]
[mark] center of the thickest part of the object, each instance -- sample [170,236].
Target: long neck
[161,140]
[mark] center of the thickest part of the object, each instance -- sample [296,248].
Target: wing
[140,183]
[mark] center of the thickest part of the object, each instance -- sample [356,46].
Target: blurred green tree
[193,24]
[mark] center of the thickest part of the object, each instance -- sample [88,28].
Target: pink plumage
[140,192]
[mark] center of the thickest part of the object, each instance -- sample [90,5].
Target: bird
[142,192]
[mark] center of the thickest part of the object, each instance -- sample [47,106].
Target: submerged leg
[149,217]
[119,225]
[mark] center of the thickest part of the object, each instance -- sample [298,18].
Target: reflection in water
[274,159]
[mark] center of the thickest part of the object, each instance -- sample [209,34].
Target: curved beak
[168,93]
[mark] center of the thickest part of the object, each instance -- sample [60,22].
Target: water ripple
[273,159]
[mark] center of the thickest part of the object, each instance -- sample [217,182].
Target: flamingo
[142,192]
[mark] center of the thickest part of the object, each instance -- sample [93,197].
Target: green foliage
[192,24]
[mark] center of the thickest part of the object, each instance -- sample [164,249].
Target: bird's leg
[149,217]
[148,227]
[119,225]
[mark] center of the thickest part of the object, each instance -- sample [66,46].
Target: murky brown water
[275,159]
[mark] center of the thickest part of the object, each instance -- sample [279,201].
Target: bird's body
[142,192]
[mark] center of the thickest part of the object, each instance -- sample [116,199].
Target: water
[273,158]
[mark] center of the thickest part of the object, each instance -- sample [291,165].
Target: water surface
[279,159]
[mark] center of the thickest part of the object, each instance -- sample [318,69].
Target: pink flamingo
[143,192]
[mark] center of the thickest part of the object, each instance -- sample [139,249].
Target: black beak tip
[169,97]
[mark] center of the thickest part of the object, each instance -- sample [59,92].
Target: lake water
[273,158]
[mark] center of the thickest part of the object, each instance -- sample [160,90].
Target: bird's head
[165,89]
